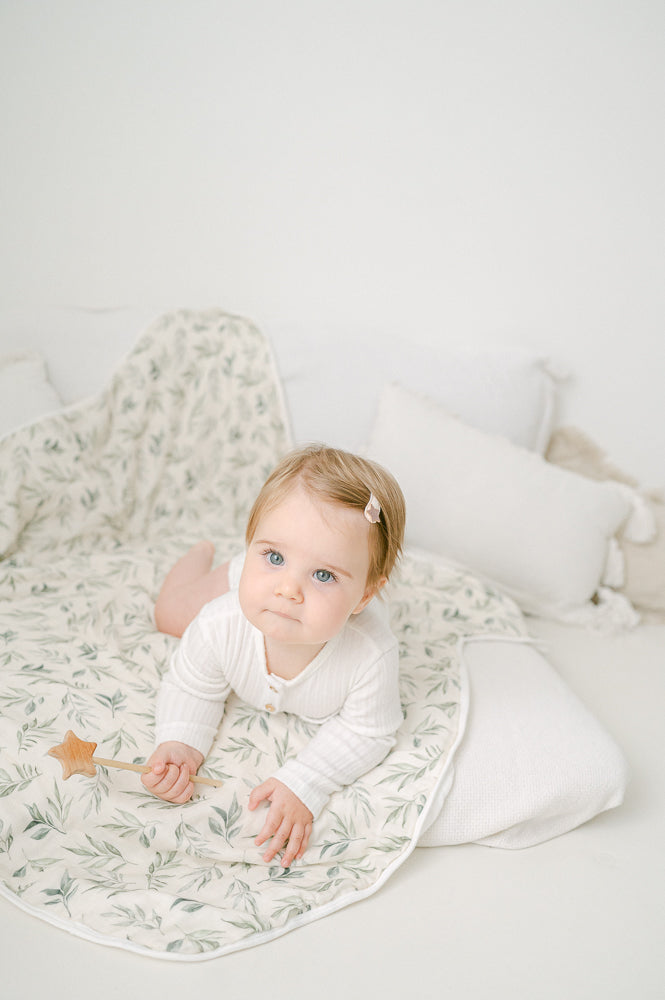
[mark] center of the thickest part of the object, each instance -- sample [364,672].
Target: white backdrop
[456,171]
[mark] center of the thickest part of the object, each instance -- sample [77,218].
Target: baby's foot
[204,550]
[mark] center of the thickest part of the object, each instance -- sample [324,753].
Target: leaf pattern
[97,503]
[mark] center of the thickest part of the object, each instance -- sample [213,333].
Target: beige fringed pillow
[644,580]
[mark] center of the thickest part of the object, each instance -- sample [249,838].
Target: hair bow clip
[373,509]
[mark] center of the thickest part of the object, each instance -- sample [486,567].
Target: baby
[299,633]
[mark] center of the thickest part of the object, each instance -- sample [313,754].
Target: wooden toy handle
[75,756]
[144,768]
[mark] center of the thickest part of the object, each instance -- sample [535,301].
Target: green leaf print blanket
[96,503]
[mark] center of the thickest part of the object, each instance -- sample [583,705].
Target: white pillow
[533,763]
[538,532]
[25,391]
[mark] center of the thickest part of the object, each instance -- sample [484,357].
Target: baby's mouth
[282,614]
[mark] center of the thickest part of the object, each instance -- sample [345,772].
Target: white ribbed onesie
[350,689]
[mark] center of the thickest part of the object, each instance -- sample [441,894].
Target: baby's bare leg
[189,585]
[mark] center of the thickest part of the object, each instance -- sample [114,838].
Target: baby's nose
[288,587]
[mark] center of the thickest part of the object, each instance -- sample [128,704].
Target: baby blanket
[96,503]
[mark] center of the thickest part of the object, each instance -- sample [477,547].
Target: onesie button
[271,708]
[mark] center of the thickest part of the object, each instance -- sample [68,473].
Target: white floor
[581,917]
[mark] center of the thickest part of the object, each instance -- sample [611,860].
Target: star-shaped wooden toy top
[75,755]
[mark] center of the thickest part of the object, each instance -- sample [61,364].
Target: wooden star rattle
[76,757]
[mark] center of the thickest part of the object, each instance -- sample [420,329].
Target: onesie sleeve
[352,742]
[191,698]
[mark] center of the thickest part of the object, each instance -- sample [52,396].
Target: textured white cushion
[533,763]
[25,391]
[505,392]
[538,532]
[510,392]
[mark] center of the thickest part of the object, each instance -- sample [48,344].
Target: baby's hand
[288,820]
[172,764]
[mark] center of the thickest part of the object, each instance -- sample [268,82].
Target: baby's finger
[277,842]
[173,784]
[183,788]
[293,846]
[269,828]
[305,840]
[261,792]
[159,776]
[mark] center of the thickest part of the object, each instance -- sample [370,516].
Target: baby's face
[305,571]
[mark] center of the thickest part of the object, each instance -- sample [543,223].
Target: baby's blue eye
[323,575]
[275,559]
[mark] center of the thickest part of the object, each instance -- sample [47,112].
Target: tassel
[614,575]
[610,613]
[641,524]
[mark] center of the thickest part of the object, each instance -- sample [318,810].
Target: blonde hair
[341,477]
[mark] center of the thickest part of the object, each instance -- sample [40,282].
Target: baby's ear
[369,594]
